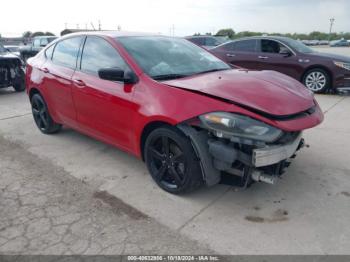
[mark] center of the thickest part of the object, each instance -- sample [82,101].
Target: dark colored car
[38,43]
[188,114]
[11,70]
[208,42]
[317,71]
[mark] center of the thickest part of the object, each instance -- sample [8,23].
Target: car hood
[266,91]
[331,56]
[7,55]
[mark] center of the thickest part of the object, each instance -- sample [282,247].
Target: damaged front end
[11,73]
[241,146]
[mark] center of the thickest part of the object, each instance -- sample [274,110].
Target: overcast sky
[187,16]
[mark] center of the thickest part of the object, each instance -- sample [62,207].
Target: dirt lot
[46,177]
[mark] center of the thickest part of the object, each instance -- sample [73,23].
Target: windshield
[166,58]
[298,46]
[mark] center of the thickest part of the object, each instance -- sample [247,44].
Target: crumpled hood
[267,91]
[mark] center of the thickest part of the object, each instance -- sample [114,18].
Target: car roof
[199,36]
[112,34]
[45,36]
[271,37]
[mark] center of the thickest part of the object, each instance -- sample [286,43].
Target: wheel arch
[317,66]
[148,128]
[33,91]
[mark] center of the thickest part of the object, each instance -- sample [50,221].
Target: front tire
[42,117]
[317,80]
[171,160]
[19,85]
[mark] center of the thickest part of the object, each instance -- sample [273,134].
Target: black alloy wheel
[42,116]
[171,161]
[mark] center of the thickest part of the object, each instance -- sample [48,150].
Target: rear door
[104,108]
[242,53]
[59,69]
[272,56]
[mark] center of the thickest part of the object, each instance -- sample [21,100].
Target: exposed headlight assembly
[230,124]
[342,65]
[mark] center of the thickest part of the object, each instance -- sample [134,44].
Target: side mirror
[117,74]
[286,53]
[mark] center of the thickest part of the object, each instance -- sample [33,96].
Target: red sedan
[187,114]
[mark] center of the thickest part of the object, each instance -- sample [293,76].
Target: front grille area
[4,76]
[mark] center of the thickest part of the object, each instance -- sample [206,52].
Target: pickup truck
[38,43]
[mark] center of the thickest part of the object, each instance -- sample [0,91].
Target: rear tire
[171,161]
[317,80]
[42,117]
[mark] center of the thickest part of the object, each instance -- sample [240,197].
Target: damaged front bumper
[270,155]
[263,163]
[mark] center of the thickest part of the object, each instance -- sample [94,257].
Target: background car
[317,71]
[341,42]
[11,70]
[13,49]
[173,104]
[207,42]
[38,43]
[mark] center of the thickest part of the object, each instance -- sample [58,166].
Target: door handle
[262,57]
[45,70]
[78,82]
[230,55]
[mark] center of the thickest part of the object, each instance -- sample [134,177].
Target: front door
[104,108]
[273,55]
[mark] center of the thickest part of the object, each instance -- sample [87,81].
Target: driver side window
[97,54]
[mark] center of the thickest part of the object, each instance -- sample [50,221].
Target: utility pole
[330,27]
[99,25]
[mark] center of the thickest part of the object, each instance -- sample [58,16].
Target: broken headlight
[229,124]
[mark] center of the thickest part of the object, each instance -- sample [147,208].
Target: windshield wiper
[168,76]
[212,70]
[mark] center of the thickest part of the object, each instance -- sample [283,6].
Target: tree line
[315,35]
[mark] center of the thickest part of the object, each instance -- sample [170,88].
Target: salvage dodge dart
[187,114]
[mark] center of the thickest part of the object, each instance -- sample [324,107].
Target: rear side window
[228,46]
[245,45]
[271,46]
[98,54]
[49,52]
[36,42]
[211,41]
[198,41]
[44,42]
[66,52]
